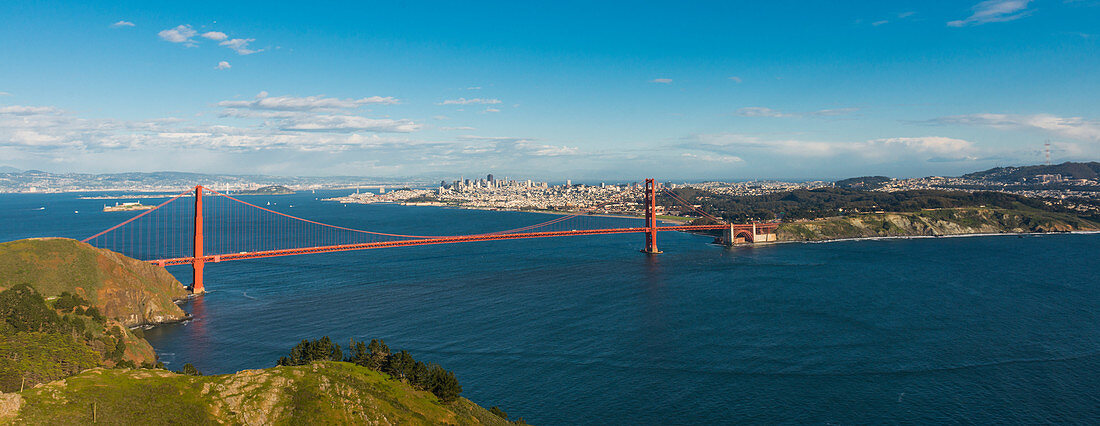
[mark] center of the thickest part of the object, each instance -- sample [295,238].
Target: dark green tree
[420,379]
[94,313]
[119,350]
[500,413]
[67,302]
[26,310]
[358,353]
[378,354]
[323,349]
[443,383]
[190,370]
[400,366]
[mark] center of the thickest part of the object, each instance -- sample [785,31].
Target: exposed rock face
[931,223]
[125,289]
[9,405]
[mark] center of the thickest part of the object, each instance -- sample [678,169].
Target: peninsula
[71,319]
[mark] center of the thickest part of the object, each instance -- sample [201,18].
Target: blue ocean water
[581,330]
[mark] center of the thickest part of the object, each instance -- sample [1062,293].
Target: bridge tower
[198,262]
[650,217]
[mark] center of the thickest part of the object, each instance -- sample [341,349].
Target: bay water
[587,330]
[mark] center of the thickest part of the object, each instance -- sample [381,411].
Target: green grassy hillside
[952,221]
[124,289]
[318,393]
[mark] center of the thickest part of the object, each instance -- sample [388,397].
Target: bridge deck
[764,227]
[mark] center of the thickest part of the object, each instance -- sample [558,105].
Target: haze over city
[787,90]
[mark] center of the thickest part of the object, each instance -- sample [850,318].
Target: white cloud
[1069,127]
[735,79]
[882,22]
[833,112]
[29,110]
[488,110]
[348,123]
[457,128]
[549,150]
[474,88]
[941,146]
[713,158]
[240,45]
[307,103]
[761,112]
[464,101]
[223,65]
[122,24]
[180,34]
[768,112]
[994,11]
[928,148]
[45,129]
[215,35]
[302,143]
[661,80]
[5,94]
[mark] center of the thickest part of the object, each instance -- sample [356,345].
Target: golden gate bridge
[180,233]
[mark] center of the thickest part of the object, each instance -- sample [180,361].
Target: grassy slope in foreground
[128,290]
[319,393]
[952,221]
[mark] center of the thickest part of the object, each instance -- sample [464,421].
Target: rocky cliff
[127,290]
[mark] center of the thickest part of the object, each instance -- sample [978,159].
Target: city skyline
[570,90]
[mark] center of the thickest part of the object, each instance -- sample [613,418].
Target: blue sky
[581,90]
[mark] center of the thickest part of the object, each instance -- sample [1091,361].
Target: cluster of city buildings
[753,187]
[1040,186]
[507,194]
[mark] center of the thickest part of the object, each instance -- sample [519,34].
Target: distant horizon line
[443,176]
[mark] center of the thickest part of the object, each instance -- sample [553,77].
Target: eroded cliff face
[135,292]
[932,223]
[124,289]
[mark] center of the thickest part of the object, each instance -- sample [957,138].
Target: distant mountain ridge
[13,180]
[1068,170]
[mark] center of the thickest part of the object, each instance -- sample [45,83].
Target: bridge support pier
[198,262]
[650,217]
[732,235]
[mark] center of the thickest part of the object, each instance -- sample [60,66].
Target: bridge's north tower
[651,217]
[199,261]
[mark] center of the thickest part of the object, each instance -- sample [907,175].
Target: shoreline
[914,237]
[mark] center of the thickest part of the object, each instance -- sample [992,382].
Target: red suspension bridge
[180,233]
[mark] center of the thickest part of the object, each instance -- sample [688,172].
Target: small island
[127,207]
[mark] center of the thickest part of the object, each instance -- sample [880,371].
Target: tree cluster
[377,356]
[43,341]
